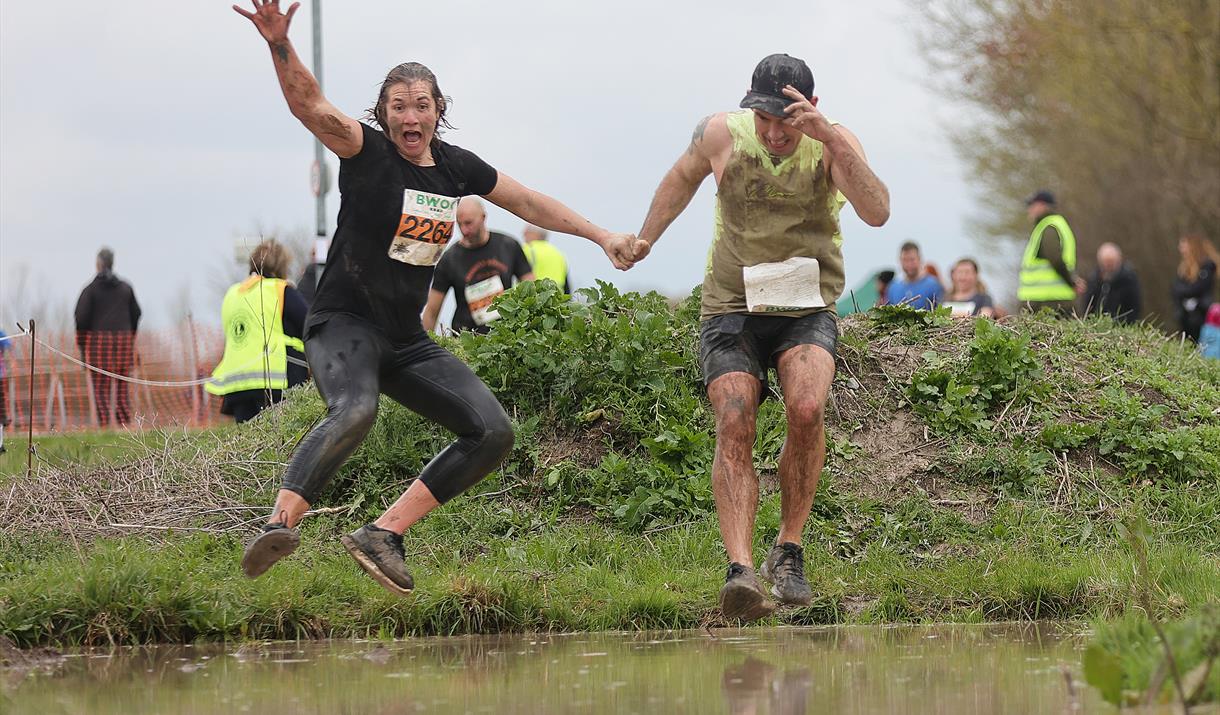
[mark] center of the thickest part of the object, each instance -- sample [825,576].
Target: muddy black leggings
[352,363]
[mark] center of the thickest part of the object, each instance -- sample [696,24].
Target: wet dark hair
[406,73]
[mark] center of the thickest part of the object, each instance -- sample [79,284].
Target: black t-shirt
[477,276]
[394,220]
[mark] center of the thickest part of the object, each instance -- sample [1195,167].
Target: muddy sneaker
[741,597]
[276,542]
[379,553]
[785,569]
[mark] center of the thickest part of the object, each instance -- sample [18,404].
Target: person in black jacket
[1114,289]
[106,318]
[1194,288]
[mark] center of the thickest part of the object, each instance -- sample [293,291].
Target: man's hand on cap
[803,115]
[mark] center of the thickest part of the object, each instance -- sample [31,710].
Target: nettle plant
[1000,368]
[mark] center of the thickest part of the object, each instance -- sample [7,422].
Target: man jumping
[775,270]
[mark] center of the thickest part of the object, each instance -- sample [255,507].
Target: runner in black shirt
[400,188]
[478,268]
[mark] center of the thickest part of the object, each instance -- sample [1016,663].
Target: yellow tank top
[767,211]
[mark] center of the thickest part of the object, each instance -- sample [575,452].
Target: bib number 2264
[424,229]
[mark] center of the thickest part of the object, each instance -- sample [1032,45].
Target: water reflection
[755,687]
[940,669]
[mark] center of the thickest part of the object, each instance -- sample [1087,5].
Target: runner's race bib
[794,284]
[425,228]
[479,297]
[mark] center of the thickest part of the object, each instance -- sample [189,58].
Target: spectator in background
[883,280]
[264,324]
[1209,335]
[930,268]
[4,348]
[546,260]
[1114,289]
[307,286]
[107,315]
[915,287]
[968,296]
[477,268]
[1048,268]
[1194,288]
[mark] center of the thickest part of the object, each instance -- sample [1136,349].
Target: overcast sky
[159,130]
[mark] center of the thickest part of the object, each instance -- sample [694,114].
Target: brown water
[778,671]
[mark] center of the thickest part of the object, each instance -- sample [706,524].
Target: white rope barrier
[128,378]
[124,378]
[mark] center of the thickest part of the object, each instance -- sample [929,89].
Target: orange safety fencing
[152,379]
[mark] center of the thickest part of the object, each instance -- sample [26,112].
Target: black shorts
[741,342]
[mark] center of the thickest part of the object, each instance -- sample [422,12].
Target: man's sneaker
[379,552]
[276,542]
[741,597]
[785,569]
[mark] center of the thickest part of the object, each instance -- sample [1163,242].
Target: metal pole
[195,391]
[29,453]
[319,154]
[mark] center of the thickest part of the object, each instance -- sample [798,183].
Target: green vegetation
[77,450]
[977,472]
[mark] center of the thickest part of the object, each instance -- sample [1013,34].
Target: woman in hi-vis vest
[264,320]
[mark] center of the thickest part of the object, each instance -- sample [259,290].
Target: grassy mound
[977,471]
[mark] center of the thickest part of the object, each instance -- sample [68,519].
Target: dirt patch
[897,457]
[893,452]
[586,449]
[1150,395]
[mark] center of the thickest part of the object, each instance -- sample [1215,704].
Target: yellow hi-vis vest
[256,348]
[547,261]
[1039,281]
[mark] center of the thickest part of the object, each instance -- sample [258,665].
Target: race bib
[479,297]
[794,284]
[426,226]
[960,308]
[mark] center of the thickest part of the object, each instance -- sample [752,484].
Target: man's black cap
[1041,195]
[770,77]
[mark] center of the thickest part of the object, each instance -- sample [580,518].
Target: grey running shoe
[741,597]
[785,569]
[276,542]
[379,553]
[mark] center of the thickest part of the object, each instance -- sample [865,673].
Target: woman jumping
[400,187]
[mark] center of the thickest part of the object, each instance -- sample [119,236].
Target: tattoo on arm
[281,51]
[860,184]
[697,135]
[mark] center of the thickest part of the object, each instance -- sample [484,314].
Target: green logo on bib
[433,201]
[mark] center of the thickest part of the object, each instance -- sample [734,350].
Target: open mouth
[777,145]
[412,138]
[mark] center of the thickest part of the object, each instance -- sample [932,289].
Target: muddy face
[411,116]
[778,138]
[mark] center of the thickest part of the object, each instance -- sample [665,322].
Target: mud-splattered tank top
[768,211]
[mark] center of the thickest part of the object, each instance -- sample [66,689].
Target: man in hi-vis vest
[547,261]
[1048,266]
[775,269]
